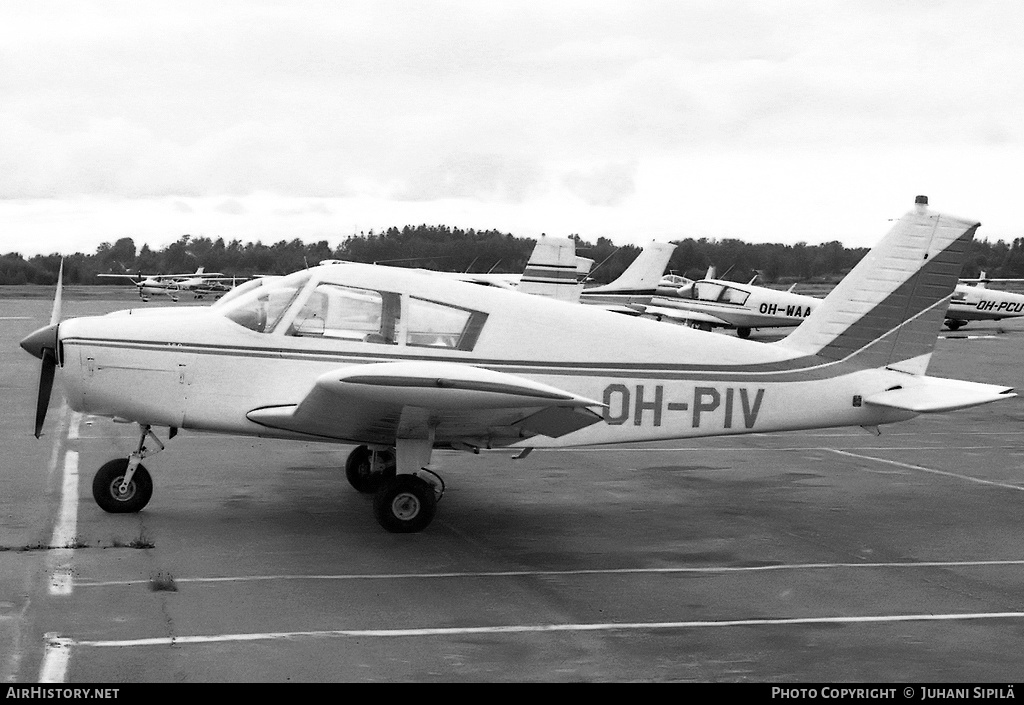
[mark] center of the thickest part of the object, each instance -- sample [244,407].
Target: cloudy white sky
[647,119]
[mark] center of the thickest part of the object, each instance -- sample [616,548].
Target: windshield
[260,308]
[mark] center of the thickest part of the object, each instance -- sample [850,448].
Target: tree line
[445,248]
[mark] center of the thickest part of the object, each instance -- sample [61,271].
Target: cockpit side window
[348,313]
[260,310]
[433,324]
[710,291]
[706,291]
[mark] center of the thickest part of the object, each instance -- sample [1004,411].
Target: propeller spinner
[43,344]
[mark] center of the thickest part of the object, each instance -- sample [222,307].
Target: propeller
[43,344]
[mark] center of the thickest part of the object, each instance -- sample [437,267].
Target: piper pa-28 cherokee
[200,283]
[401,363]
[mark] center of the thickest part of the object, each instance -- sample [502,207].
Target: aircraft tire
[104,488]
[405,504]
[953,325]
[359,471]
[743,332]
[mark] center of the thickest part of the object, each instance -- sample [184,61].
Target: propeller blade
[43,344]
[45,387]
[58,297]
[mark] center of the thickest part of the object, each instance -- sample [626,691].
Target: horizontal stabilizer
[927,395]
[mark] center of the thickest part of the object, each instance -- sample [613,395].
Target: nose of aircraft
[34,343]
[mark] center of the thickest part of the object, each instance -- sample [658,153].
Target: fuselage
[200,368]
[979,303]
[740,305]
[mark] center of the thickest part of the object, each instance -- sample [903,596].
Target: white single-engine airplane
[200,283]
[400,363]
[979,303]
[716,303]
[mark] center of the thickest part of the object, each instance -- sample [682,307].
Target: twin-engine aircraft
[201,284]
[716,303]
[399,363]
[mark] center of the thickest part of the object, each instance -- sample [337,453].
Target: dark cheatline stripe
[546,272]
[804,368]
[607,291]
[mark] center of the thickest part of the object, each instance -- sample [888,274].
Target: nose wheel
[124,486]
[117,497]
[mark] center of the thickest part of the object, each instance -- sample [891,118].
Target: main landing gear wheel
[953,325]
[743,332]
[106,488]
[364,474]
[405,504]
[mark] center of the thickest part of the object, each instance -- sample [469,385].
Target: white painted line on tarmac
[56,655]
[543,628]
[73,427]
[578,572]
[758,449]
[64,533]
[933,471]
[58,445]
[59,559]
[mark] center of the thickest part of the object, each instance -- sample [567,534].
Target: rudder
[888,310]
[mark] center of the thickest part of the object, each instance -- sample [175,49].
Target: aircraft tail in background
[553,270]
[637,285]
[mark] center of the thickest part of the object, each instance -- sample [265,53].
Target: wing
[680,314]
[377,403]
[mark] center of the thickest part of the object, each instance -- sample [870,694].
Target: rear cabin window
[348,313]
[436,325]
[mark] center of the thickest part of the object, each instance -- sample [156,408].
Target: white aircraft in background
[979,303]
[634,289]
[553,270]
[715,303]
[398,363]
[199,283]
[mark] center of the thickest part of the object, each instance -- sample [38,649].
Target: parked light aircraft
[398,363]
[553,270]
[717,303]
[979,303]
[200,283]
[634,289]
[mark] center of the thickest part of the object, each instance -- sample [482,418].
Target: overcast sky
[765,121]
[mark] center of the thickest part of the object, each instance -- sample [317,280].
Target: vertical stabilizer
[552,270]
[888,310]
[643,274]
